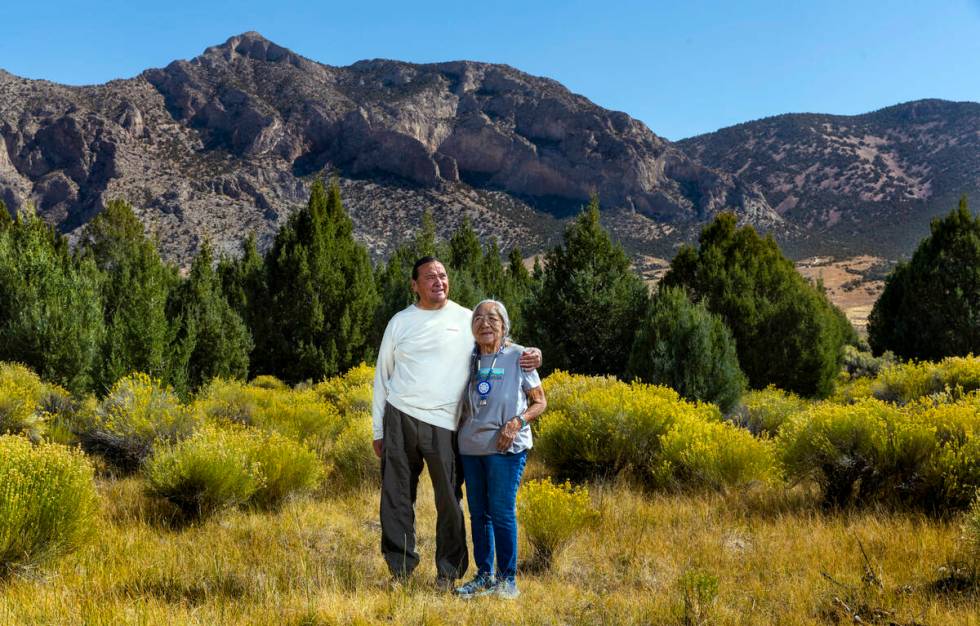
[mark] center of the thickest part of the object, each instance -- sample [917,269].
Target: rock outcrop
[228,142]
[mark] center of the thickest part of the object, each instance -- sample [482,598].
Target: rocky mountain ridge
[865,182]
[227,143]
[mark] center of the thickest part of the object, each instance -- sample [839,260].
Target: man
[422,370]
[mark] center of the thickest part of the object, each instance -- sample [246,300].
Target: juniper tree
[930,307]
[588,303]
[50,305]
[135,288]
[321,293]
[786,330]
[686,347]
[213,340]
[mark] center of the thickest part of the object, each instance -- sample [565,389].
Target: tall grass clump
[352,459]
[211,470]
[136,414]
[48,502]
[551,515]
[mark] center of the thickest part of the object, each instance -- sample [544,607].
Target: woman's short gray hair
[501,311]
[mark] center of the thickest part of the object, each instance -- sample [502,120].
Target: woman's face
[488,326]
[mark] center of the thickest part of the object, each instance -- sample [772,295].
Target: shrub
[609,427]
[763,412]
[214,469]
[137,413]
[952,377]
[714,455]
[20,392]
[353,462]
[287,468]
[700,590]
[550,515]
[685,347]
[869,451]
[266,381]
[47,501]
[860,364]
[300,415]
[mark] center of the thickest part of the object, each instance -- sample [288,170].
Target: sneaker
[481,585]
[506,589]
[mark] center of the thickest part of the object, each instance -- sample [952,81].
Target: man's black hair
[420,263]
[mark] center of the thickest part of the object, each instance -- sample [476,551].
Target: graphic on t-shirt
[486,373]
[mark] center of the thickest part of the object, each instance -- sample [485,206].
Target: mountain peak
[252,45]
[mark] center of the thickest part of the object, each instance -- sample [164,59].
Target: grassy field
[770,556]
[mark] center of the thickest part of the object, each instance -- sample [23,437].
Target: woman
[494,437]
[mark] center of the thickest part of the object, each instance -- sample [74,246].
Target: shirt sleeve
[530,380]
[382,374]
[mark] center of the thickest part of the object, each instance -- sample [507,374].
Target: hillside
[856,184]
[227,143]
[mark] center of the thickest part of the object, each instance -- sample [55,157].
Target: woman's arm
[536,404]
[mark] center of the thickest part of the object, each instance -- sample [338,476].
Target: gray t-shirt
[506,399]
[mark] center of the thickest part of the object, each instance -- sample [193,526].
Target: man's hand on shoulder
[531,359]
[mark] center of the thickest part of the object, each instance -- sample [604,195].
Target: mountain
[861,183]
[228,143]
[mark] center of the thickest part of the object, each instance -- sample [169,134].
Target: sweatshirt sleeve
[382,374]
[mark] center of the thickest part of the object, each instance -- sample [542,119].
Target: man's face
[432,286]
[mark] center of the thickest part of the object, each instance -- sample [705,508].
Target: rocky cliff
[228,142]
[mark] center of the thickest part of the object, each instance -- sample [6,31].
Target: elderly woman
[494,437]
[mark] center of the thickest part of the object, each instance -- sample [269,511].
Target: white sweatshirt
[423,365]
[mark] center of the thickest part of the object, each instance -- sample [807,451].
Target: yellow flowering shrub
[136,414]
[298,414]
[287,466]
[953,376]
[265,381]
[598,426]
[213,469]
[550,515]
[707,454]
[48,501]
[352,459]
[764,411]
[20,394]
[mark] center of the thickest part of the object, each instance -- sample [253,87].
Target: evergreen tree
[930,307]
[687,348]
[135,291]
[786,331]
[243,283]
[213,339]
[321,292]
[50,306]
[589,302]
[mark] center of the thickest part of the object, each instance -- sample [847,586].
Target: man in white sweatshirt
[422,370]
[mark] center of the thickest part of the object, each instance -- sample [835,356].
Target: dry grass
[316,562]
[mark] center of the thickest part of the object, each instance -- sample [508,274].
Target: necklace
[484,386]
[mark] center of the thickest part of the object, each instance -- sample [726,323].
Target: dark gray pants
[408,443]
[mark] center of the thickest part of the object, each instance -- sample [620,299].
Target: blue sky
[682,67]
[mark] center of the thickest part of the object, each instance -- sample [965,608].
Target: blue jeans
[491,492]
